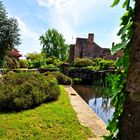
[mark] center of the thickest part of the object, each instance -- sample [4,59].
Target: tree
[11,59]
[15,53]
[36,60]
[128,122]
[130,125]
[54,44]
[9,33]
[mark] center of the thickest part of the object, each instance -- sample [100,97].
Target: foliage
[115,82]
[9,33]
[11,60]
[93,64]
[125,34]
[53,60]
[14,53]
[11,63]
[36,60]
[54,121]
[61,78]
[48,66]
[101,64]
[34,56]
[93,68]
[82,62]
[54,45]
[76,81]
[105,64]
[25,90]
[23,63]
[39,60]
[118,83]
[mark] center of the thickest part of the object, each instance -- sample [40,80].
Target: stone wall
[89,76]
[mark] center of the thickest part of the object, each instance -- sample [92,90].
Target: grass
[51,121]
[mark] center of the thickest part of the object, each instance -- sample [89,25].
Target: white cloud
[30,39]
[25,31]
[53,3]
[67,15]
[114,37]
[75,18]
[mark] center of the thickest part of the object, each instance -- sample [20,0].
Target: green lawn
[50,121]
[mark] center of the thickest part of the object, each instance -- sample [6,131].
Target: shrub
[101,64]
[82,62]
[105,64]
[36,60]
[54,61]
[61,78]
[34,64]
[77,81]
[23,63]
[11,63]
[51,66]
[25,90]
[94,68]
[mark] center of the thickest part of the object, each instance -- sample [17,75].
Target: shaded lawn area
[51,121]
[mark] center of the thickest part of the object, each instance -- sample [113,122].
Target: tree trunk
[130,123]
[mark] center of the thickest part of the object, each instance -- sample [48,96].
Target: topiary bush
[20,91]
[61,78]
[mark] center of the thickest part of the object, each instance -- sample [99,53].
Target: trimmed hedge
[20,91]
[61,78]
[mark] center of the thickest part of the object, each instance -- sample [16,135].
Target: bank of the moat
[95,97]
[85,114]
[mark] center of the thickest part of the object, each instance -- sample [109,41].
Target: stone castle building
[86,47]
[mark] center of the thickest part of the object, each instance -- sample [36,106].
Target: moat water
[96,99]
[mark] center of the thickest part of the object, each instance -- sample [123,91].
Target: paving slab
[87,117]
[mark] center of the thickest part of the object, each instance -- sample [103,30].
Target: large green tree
[54,44]
[9,33]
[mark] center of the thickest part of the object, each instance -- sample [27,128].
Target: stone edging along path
[86,116]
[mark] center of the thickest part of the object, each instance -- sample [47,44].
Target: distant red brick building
[86,47]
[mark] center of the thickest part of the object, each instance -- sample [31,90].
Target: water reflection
[98,99]
[102,108]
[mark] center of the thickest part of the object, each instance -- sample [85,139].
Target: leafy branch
[118,83]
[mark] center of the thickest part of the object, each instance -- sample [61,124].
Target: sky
[71,18]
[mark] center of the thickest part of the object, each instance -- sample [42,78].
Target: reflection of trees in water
[101,103]
[102,91]
[105,93]
[85,91]
[98,98]
[105,104]
[102,107]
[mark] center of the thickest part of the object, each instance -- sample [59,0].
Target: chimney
[90,38]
